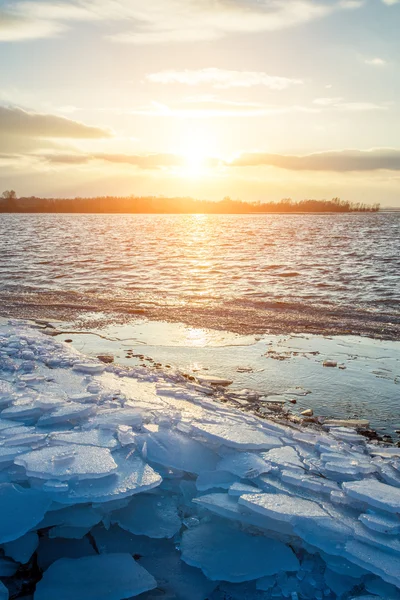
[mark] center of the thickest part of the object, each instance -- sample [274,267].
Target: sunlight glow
[195,158]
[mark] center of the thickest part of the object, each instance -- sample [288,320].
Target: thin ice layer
[21,510]
[72,462]
[101,577]
[152,515]
[223,552]
[238,435]
[132,476]
[374,493]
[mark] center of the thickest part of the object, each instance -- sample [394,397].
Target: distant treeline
[154,204]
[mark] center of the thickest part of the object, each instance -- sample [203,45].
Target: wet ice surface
[363,385]
[160,491]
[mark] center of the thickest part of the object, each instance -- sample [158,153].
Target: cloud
[339,104]
[375,62]
[222,78]
[391,2]
[327,101]
[150,161]
[18,122]
[340,161]
[162,21]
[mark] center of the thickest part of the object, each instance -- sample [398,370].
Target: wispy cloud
[375,62]
[340,105]
[151,161]
[18,122]
[341,161]
[161,21]
[223,78]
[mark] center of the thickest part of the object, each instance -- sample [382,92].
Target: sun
[195,161]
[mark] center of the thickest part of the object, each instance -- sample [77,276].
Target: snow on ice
[118,483]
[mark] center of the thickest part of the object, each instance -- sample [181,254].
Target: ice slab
[178,451]
[224,552]
[283,457]
[92,437]
[245,465]
[215,479]
[238,435]
[175,578]
[239,489]
[22,549]
[73,461]
[71,412]
[132,476]
[374,560]
[21,510]
[102,577]
[72,516]
[152,515]
[390,525]
[374,493]
[282,507]
[89,368]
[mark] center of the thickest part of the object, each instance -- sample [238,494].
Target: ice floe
[117,483]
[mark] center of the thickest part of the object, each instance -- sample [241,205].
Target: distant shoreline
[10,203]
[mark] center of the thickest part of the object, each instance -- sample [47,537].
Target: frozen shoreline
[272,371]
[210,502]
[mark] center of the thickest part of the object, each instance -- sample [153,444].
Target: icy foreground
[118,483]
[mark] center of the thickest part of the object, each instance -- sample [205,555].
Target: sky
[252,99]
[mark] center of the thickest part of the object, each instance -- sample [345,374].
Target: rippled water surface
[346,263]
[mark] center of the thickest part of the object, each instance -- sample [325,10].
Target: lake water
[247,273]
[261,277]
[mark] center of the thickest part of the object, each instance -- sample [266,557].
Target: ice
[102,577]
[223,552]
[374,560]
[68,462]
[152,515]
[21,509]
[8,567]
[238,489]
[283,457]
[71,412]
[381,523]
[89,368]
[210,502]
[173,449]
[244,464]
[374,493]
[282,507]
[3,592]
[132,476]
[22,549]
[238,435]
[215,479]
[93,437]
[72,516]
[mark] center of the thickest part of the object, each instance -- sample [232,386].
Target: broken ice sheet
[22,549]
[245,465]
[178,451]
[132,476]
[235,434]
[67,462]
[149,514]
[21,510]
[101,577]
[224,552]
